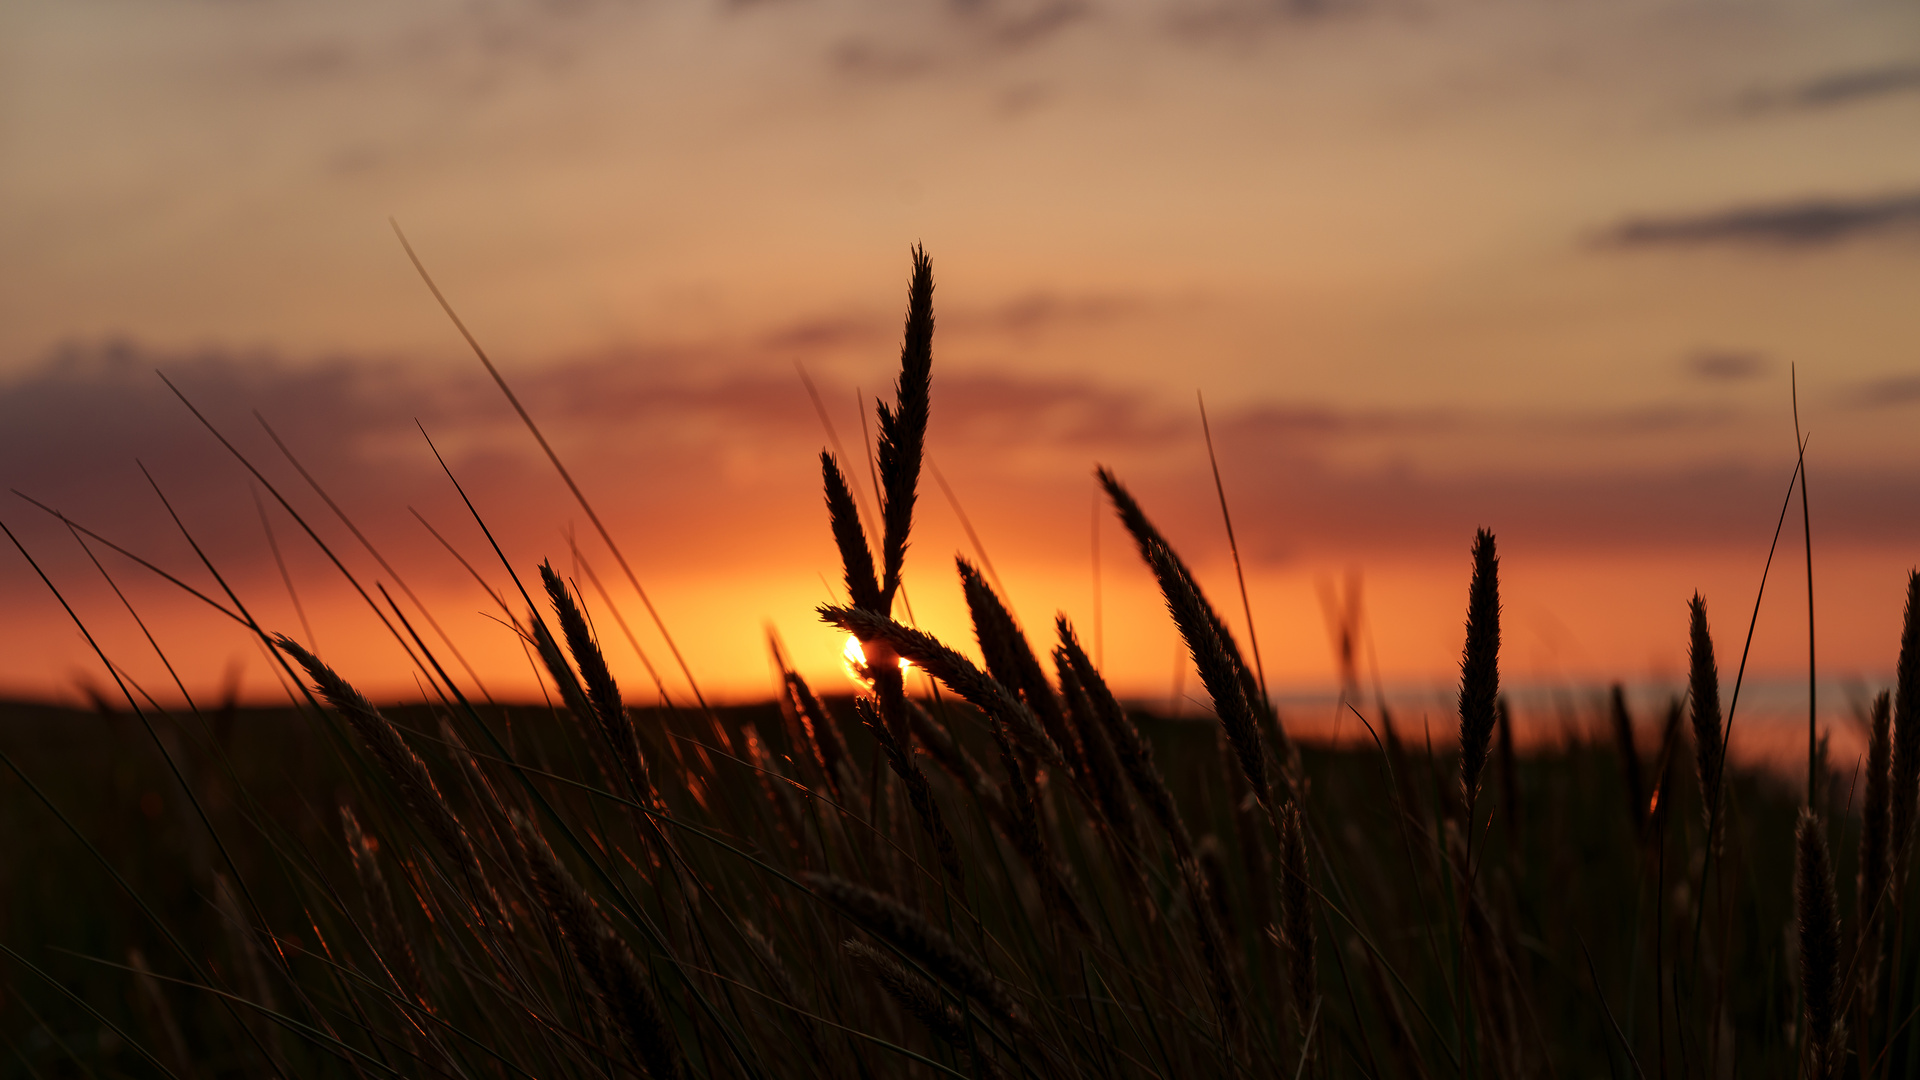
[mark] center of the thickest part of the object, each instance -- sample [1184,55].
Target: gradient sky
[1435,264]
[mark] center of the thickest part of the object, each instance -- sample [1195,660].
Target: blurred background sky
[1538,265]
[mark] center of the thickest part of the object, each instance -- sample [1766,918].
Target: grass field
[973,869]
[1568,872]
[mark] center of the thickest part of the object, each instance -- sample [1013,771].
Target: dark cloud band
[1799,224]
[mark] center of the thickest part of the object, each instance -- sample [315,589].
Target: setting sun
[854,659]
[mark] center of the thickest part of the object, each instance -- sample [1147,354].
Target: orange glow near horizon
[1537,268]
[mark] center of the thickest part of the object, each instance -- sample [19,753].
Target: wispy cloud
[1037,311]
[1022,315]
[1233,19]
[863,58]
[1799,223]
[1727,365]
[1018,26]
[470,46]
[1890,392]
[957,34]
[1840,88]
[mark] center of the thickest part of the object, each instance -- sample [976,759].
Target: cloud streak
[1727,365]
[1841,88]
[1891,392]
[1797,224]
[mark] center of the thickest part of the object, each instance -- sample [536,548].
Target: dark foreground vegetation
[978,871]
[1571,867]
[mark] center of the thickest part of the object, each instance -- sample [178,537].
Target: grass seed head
[843,516]
[1297,911]
[1011,662]
[1703,687]
[608,713]
[1876,850]
[922,1001]
[911,933]
[1906,734]
[404,767]
[1480,665]
[903,427]
[1817,912]
[623,986]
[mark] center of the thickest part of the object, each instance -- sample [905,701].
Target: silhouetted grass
[974,870]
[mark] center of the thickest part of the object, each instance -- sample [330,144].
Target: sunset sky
[1538,265]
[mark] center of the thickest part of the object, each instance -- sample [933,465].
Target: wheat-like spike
[1219,666]
[1703,687]
[1296,912]
[1103,765]
[624,988]
[609,712]
[253,982]
[769,958]
[856,558]
[822,734]
[1818,913]
[934,737]
[1134,752]
[1024,830]
[1906,738]
[486,798]
[495,832]
[822,731]
[404,767]
[910,932]
[1011,662]
[903,428]
[921,999]
[572,694]
[389,935]
[574,697]
[1145,535]
[1214,963]
[1211,857]
[1257,836]
[980,690]
[1875,849]
[1479,665]
[1222,668]
[919,794]
[787,987]
[1400,1037]
[636,1009]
